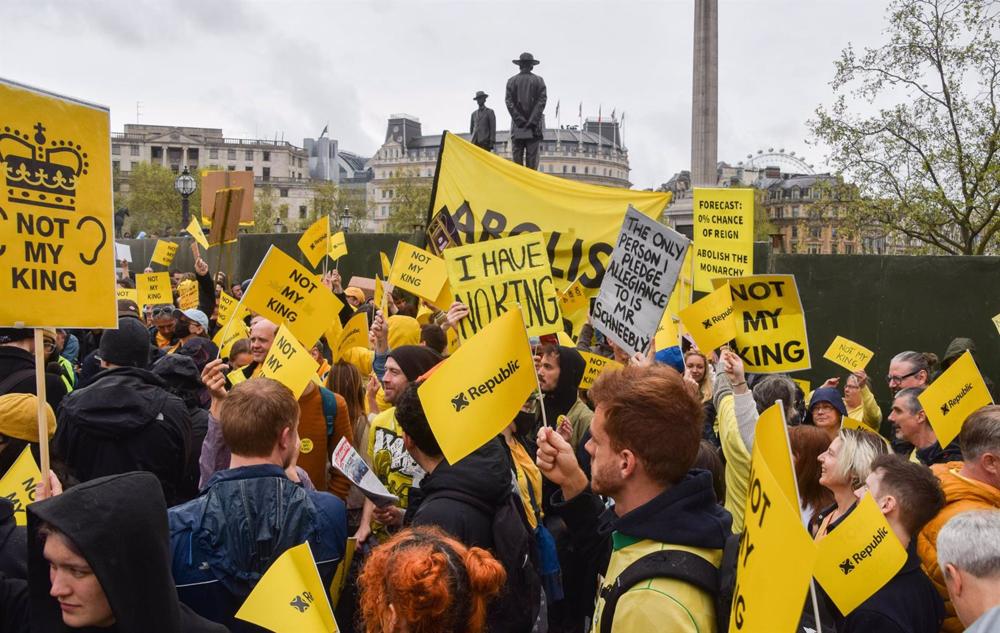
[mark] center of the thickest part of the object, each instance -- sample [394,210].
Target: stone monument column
[705,96]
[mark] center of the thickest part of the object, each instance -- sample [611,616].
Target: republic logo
[464,398]
[718,318]
[947,406]
[856,558]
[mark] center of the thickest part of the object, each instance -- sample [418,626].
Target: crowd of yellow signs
[522,273]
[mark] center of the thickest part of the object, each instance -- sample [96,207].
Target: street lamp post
[185,185]
[345,219]
[278,226]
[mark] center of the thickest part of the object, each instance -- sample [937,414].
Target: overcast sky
[260,68]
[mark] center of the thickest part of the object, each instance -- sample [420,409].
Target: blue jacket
[223,541]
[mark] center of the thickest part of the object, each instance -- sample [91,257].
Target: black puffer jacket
[125,421]
[16,360]
[183,379]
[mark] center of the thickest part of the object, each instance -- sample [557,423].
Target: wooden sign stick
[43,425]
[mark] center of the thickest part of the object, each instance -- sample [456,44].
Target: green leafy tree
[153,203]
[265,210]
[332,200]
[928,165]
[411,196]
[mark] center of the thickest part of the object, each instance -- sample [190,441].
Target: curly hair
[433,582]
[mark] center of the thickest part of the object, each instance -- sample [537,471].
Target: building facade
[807,211]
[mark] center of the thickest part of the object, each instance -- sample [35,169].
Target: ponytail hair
[920,361]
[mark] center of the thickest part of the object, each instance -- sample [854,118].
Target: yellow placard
[153,289]
[343,571]
[996,322]
[289,362]
[723,234]
[445,298]
[313,242]
[776,553]
[454,342]
[596,365]
[283,291]
[667,334]
[57,250]
[573,299]
[565,340]
[859,557]
[187,295]
[290,596]
[770,323]
[379,294]
[386,264]
[228,335]
[848,354]
[236,376]
[711,320]
[493,277]
[851,423]
[953,396]
[489,197]
[18,484]
[337,246]
[194,230]
[477,391]
[227,303]
[772,437]
[417,271]
[353,334]
[127,293]
[163,253]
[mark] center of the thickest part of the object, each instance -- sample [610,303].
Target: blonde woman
[843,468]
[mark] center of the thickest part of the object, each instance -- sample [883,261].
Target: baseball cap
[128,308]
[193,315]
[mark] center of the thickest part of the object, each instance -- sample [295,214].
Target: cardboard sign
[153,289]
[123,252]
[494,277]
[214,181]
[596,365]
[226,207]
[18,484]
[164,253]
[953,397]
[314,240]
[289,362]
[641,275]
[417,271]
[723,235]
[187,295]
[194,230]
[848,354]
[127,293]
[711,321]
[770,324]
[57,255]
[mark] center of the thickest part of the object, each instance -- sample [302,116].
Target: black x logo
[707,323]
[299,604]
[945,409]
[847,566]
[459,402]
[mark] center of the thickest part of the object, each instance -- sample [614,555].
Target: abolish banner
[495,276]
[57,253]
[723,235]
[489,197]
[641,275]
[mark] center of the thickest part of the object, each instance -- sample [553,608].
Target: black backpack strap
[676,564]
[12,380]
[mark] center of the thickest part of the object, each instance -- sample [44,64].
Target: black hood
[484,474]
[686,514]
[120,402]
[119,524]
[563,397]
[182,377]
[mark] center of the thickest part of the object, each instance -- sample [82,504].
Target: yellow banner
[353,334]
[163,253]
[848,354]
[18,484]
[57,250]
[477,392]
[573,299]
[313,242]
[417,271]
[228,335]
[290,596]
[289,362]
[953,396]
[187,295]
[770,324]
[494,277]
[596,365]
[153,289]
[337,247]
[386,264]
[285,292]
[710,320]
[859,557]
[723,235]
[194,230]
[127,293]
[489,197]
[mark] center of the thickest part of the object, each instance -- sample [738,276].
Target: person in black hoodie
[17,366]
[560,370]
[126,420]
[112,574]
[182,377]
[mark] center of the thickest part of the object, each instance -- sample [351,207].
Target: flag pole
[326,255]
[43,426]
[539,396]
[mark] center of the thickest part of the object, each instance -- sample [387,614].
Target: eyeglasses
[897,379]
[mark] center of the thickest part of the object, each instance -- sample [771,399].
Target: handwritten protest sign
[596,365]
[57,256]
[187,295]
[289,362]
[153,289]
[953,396]
[417,271]
[18,484]
[636,288]
[723,235]
[163,253]
[493,277]
[848,354]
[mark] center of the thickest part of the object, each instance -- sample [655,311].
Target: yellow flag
[313,242]
[445,298]
[953,396]
[164,253]
[565,340]
[187,295]
[289,362]
[18,484]
[290,597]
[596,365]
[710,319]
[353,334]
[454,342]
[283,291]
[771,439]
[723,234]
[228,335]
[337,247]
[379,292]
[667,334]
[851,423]
[417,271]
[804,385]
[859,557]
[343,571]
[386,264]
[477,392]
[194,230]
[153,289]
[848,354]
[127,293]
[573,299]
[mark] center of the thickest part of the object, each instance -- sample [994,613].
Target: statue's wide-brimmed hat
[479,94]
[526,58]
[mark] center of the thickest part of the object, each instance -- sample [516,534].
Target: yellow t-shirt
[737,461]
[390,461]
[527,474]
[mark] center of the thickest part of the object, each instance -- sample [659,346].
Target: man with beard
[560,370]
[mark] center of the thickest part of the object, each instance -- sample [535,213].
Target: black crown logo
[44,172]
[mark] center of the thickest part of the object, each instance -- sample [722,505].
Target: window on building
[385,211]
[231,154]
[133,150]
[249,154]
[116,165]
[267,157]
[303,211]
[248,168]
[266,173]
[213,152]
[232,168]
[795,212]
[849,249]
[813,249]
[283,192]
[795,193]
[586,170]
[573,169]
[116,150]
[564,169]
[795,232]
[815,232]
[833,249]
[390,194]
[175,168]
[192,153]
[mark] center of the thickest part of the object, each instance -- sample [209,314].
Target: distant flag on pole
[557,110]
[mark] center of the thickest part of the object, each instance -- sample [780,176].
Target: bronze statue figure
[483,125]
[526,104]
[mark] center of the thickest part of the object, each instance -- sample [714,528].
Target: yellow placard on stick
[228,335]
[187,295]
[127,293]
[153,289]
[289,362]
[163,253]
[343,571]
[18,484]
[386,264]
[479,389]
[313,242]
[711,321]
[596,365]
[996,322]
[723,234]
[859,557]
[770,323]
[337,247]
[353,334]
[953,397]
[493,277]
[194,230]
[848,354]
[57,249]
[417,271]
[573,299]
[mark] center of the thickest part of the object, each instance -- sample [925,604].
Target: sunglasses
[163,310]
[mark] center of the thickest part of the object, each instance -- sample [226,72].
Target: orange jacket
[961,494]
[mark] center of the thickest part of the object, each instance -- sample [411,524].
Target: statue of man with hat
[526,103]
[483,125]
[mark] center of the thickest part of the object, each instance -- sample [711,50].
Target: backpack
[690,568]
[329,409]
